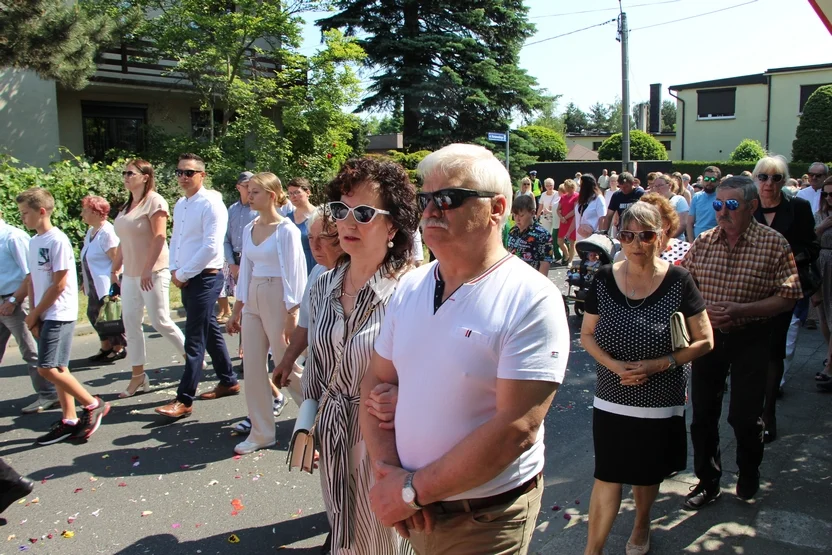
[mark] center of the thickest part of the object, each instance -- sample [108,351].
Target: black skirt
[638,451]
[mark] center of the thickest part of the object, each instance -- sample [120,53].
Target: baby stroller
[593,252]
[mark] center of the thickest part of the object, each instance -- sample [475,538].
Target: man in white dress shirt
[477,342]
[818,172]
[196,256]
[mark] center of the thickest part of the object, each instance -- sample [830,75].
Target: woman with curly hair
[373,204]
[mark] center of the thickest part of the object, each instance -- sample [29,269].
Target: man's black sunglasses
[448,199]
[187,173]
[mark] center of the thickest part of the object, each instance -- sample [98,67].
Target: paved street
[184,478]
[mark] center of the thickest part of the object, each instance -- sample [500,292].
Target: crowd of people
[335,296]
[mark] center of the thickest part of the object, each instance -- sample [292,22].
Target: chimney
[642,118]
[655,108]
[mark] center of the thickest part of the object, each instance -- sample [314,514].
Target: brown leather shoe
[175,410]
[221,391]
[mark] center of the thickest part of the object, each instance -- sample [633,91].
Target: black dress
[639,431]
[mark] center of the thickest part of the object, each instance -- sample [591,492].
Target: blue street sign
[497,137]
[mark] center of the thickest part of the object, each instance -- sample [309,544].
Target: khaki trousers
[264,316]
[498,530]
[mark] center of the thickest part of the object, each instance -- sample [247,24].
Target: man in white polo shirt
[477,342]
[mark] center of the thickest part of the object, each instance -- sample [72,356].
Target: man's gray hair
[776,162]
[644,215]
[821,164]
[474,166]
[316,214]
[744,184]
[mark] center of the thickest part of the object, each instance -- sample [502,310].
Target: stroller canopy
[598,243]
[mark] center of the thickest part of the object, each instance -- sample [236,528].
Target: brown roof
[580,152]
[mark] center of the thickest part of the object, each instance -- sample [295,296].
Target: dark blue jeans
[202,333]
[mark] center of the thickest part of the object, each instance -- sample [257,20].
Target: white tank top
[263,257]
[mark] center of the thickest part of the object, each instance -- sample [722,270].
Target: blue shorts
[55,344]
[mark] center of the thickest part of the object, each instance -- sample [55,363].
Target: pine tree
[453,65]
[575,119]
[52,39]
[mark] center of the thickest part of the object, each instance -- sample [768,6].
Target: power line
[693,16]
[603,9]
[571,32]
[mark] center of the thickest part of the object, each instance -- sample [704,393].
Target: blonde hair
[570,185]
[271,184]
[669,216]
[525,181]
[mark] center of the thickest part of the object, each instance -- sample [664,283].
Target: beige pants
[264,316]
[499,530]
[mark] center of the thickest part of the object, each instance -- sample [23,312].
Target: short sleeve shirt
[507,324]
[136,234]
[621,202]
[532,246]
[49,253]
[702,209]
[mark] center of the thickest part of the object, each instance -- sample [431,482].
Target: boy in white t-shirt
[53,290]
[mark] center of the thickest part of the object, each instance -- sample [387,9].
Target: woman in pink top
[567,229]
[141,227]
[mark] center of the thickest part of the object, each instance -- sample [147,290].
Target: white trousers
[157,302]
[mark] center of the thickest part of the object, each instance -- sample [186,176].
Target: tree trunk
[410,99]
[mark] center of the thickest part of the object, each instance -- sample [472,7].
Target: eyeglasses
[294,193]
[824,194]
[776,178]
[731,204]
[320,238]
[709,179]
[647,237]
[129,173]
[362,213]
[449,199]
[187,173]
[815,175]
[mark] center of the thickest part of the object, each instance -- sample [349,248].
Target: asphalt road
[143,485]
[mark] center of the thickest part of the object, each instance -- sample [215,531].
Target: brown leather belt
[471,505]
[209,272]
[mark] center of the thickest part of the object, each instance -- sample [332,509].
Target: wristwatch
[409,494]
[12,299]
[672,362]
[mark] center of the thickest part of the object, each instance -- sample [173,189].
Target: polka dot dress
[675,251]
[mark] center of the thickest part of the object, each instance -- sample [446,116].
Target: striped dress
[346,472]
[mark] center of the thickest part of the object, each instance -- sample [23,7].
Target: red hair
[98,205]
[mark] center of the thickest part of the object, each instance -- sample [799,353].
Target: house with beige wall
[592,142]
[714,116]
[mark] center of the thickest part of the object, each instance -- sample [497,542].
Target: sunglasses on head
[186,173]
[449,199]
[362,213]
[647,237]
[731,204]
[129,173]
[776,178]
[709,179]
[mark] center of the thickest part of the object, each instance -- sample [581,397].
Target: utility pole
[624,37]
[508,134]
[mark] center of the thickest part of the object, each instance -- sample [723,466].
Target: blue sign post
[497,137]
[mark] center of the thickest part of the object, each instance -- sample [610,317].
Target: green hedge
[694,168]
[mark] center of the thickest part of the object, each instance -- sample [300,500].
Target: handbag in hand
[680,336]
[304,441]
[109,320]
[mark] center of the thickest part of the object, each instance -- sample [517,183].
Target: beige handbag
[680,336]
[302,445]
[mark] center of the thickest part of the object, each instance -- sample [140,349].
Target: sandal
[223,318]
[821,377]
[101,355]
[243,427]
[114,356]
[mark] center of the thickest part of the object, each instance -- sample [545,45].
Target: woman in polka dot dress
[639,409]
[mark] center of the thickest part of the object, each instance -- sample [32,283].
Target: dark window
[596,145]
[201,123]
[717,103]
[806,91]
[113,126]
[666,145]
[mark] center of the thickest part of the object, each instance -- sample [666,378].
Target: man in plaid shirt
[747,274]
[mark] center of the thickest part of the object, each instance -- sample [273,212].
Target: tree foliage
[546,144]
[642,147]
[574,119]
[452,66]
[749,150]
[599,117]
[813,141]
[668,114]
[546,115]
[55,40]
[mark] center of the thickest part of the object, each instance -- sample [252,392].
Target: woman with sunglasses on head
[823,229]
[141,226]
[374,207]
[639,408]
[269,289]
[298,191]
[794,220]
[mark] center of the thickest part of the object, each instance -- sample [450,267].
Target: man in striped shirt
[747,274]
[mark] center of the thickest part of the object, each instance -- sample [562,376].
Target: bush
[694,168]
[642,147]
[547,144]
[748,150]
[409,161]
[813,141]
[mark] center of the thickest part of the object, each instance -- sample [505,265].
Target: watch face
[408,495]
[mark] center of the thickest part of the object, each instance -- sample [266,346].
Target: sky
[585,67]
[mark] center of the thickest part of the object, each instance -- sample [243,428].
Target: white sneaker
[40,405]
[248,447]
